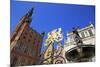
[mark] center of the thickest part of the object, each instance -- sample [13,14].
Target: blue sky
[49,16]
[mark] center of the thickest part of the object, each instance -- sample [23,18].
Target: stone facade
[87,35]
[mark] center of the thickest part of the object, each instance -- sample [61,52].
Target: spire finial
[30,12]
[28,15]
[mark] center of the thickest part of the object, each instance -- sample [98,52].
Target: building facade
[25,43]
[80,45]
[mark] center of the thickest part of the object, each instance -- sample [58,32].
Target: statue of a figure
[77,37]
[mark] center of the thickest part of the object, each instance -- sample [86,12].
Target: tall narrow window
[23,47]
[26,49]
[86,33]
[33,53]
[18,46]
[22,61]
[71,38]
[14,61]
[82,34]
[90,32]
[29,50]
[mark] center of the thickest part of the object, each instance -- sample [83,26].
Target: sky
[49,16]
